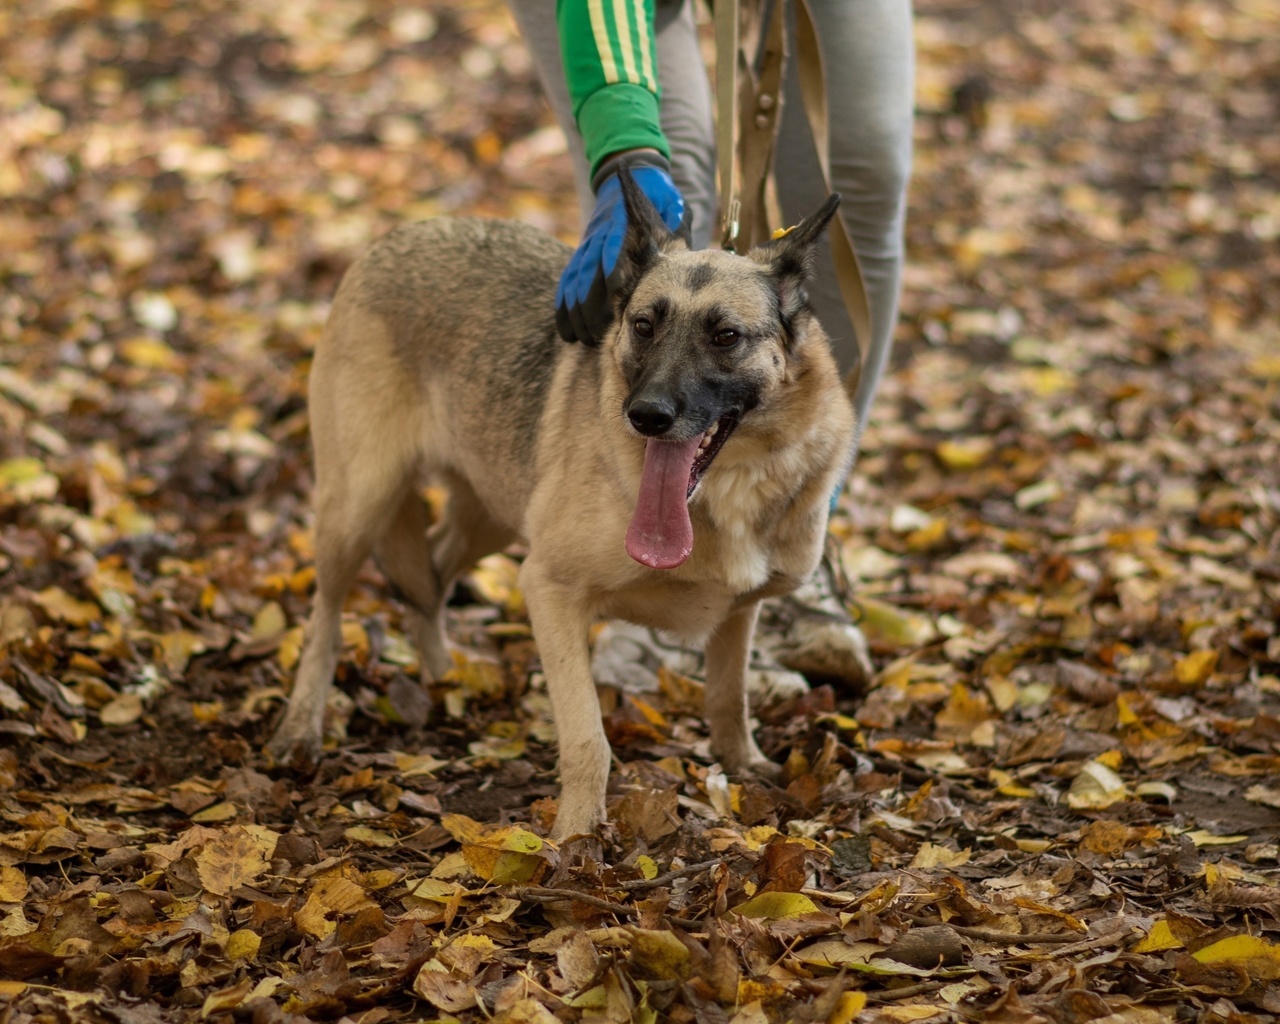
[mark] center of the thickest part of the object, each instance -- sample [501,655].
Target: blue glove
[583,299]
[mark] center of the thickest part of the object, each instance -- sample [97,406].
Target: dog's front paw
[759,767]
[577,818]
[296,740]
[751,761]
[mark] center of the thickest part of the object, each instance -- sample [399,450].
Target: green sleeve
[610,64]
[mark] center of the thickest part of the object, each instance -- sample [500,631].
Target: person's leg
[536,20]
[685,109]
[869,60]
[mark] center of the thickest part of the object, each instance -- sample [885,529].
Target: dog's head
[701,339]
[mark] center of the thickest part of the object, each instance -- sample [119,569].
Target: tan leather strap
[726,27]
[848,273]
[760,107]
[748,112]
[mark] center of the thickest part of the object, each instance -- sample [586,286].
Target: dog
[674,475]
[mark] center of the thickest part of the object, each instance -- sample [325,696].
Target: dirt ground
[1060,800]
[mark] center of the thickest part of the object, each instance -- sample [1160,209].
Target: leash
[727,21]
[748,109]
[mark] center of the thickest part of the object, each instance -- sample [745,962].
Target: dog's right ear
[645,239]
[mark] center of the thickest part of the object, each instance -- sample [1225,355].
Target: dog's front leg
[728,655]
[561,623]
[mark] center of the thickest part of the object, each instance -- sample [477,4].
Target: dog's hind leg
[354,503]
[424,561]
[728,655]
[404,554]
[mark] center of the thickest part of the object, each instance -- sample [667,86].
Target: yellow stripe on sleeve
[601,32]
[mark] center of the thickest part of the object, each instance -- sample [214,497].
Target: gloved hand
[583,306]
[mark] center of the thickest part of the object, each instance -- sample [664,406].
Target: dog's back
[465,308]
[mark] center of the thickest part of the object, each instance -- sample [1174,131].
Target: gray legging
[869,61]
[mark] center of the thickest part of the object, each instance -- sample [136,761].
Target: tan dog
[673,476]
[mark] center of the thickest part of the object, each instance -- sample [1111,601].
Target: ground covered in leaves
[1059,802]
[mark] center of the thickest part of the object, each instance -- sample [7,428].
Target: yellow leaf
[890,626]
[651,714]
[1003,691]
[496,579]
[965,452]
[648,867]
[1180,278]
[504,857]
[501,867]
[483,943]
[1160,937]
[1195,668]
[979,244]
[1046,381]
[24,480]
[659,954]
[60,605]
[1113,759]
[850,1005]
[777,906]
[123,710]
[1259,958]
[417,764]
[223,811]
[1266,366]
[592,999]
[1202,837]
[964,711]
[356,639]
[13,885]
[925,539]
[227,999]
[177,647]
[1006,785]
[498,748]
[931,856]
[243,944]
[236,857]
[866,957]
[1096,786]
[451,865]
[758,835]
[332,896]
[434,889]
[1124,713]
[379,878]
[462,828]
[12,989]
[150,354]
[907,1014]
[370,836]
[269,622]
[479,677]
[290,648]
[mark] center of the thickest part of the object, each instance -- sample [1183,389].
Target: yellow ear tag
[783,232]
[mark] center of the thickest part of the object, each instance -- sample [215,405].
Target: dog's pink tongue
[661,535]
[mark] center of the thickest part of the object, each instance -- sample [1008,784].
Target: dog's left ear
[790,258]
[644,241]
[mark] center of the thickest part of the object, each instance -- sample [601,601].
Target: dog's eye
[643,327]
[726,336]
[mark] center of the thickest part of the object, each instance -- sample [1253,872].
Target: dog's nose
[652,417]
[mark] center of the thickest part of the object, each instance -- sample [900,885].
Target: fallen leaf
[777,906]
[236,857]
